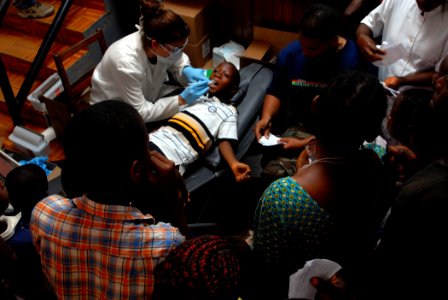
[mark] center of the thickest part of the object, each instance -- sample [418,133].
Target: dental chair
[255,78]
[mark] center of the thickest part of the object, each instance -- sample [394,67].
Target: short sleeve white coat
[425,37]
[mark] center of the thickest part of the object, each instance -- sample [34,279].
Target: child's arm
[239,169]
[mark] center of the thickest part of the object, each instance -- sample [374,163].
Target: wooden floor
[20,40]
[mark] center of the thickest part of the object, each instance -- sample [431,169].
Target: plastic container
[50,88]
[29,141]
[230,52]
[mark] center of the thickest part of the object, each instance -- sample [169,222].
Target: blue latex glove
[195,90]
[38,160]
[194,74]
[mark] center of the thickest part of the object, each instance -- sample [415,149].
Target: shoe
[38,10]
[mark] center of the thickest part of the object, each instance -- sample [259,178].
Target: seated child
[190,133]
[25,186]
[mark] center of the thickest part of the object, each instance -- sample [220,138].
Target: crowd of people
[357,213]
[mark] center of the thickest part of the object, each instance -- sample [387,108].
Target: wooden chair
[73,93]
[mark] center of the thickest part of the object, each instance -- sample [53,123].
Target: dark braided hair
[206,267]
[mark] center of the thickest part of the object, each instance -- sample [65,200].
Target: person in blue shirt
[302,69]
[26,185]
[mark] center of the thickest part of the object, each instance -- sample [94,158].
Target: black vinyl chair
[255,78]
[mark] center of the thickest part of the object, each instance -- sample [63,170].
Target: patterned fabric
[94,251]
[378,149]
[206,267]
[289,223]
[190,133]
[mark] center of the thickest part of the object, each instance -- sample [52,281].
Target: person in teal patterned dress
[329,208]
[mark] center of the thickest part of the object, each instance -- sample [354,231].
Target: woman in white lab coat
[135,68]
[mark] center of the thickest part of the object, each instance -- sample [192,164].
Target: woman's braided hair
[206,267]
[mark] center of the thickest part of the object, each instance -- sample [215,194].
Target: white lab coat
[424,37]
[125,73]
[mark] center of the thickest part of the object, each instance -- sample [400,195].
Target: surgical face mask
[170,59]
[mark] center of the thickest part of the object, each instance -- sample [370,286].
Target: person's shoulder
[285,182]
[350,55]
[129,41]
[162,231]
[293,47]
[53,203]
[125,50]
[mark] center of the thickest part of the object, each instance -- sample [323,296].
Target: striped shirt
[95,251]
[190,133]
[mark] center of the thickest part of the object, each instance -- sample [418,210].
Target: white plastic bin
[230,52]
[30,141]
[50,88]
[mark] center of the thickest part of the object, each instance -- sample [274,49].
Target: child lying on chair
[189,134]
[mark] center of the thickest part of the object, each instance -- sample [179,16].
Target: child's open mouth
[213,83]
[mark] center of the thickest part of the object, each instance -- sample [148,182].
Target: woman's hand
[292,143]
[194,74]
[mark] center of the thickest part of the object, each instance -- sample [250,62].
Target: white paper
[272,140]
[393,53]
[299,282]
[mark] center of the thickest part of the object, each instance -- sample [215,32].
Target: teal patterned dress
[289,224]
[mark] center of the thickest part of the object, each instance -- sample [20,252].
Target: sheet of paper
[393,53]
[299,282]
[272,140]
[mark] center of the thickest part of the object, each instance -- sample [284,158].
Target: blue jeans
[24,4]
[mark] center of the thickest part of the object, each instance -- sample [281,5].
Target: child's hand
[240,171]
[292,143]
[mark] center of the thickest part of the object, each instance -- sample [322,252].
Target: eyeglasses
[174,50]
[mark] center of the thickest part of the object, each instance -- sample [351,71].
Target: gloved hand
[194,74]
[195,90]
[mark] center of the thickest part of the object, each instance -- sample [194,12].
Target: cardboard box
[258,51]
[199,53]
[196,13]
[266,44]
[277,38]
